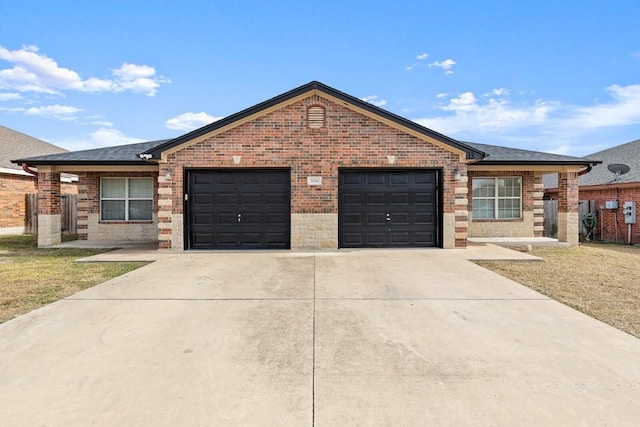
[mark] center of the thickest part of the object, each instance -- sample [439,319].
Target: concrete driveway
[371,338]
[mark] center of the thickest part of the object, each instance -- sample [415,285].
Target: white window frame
[126,199]
[496,198]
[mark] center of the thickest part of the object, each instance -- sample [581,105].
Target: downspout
[25,167]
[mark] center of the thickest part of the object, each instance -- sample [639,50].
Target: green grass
[32,277]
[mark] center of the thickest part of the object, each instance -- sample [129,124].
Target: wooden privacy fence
[68,213]
[551,216]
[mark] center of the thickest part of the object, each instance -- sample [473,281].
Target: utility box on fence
[629,211]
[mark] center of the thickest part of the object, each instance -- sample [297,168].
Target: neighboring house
[312,168]
[15,182]
[601,185]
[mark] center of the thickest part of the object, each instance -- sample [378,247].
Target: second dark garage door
[239,209]
[388,208]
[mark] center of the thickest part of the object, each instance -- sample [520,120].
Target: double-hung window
[126,199]
[497,198]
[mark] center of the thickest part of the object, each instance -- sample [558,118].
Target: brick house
[311,168]
[601,186]
[15,182]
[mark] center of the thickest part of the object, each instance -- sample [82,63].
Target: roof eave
[82,162]
[537,163]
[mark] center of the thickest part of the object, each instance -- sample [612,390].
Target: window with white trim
[497,198]
[126,199]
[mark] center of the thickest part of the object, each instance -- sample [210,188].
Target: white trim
[15,172]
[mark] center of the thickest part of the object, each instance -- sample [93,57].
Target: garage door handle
[239,217]
[388,217]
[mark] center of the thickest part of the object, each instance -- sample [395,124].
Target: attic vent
[315,117]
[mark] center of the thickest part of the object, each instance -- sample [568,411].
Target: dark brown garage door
[388,208]
[239,209]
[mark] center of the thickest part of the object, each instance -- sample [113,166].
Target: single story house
[311,168]
[606,188]
[16,182]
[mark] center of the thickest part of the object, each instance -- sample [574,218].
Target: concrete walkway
[349,338]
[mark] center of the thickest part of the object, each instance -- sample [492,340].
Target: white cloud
[420,57]
[9,96]
[36,72]
[446,65]
[543,125]
[471,115]
[624,110]
[138,78]
[373,99]
[190,121]
[497,92]
[60,112]
[108,137]
[104,136]
[102,123]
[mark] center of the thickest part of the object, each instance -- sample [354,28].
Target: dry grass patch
[32,277]
[600,280]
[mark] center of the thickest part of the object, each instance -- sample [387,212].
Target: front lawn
[601,280]
[32,277]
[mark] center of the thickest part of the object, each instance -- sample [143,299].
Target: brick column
[165,208]
[49,220]
[568,221]
[538,207]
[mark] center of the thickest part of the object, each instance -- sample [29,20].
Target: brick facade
[611,226]
[281,138]
[13,189]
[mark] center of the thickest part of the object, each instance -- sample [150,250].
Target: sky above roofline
[555,77]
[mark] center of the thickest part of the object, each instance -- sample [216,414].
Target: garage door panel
[352,199]
[400,238]
[399,208]
[203,219]
[397,199]
[399,178]
[235,209]
[374,239]
[376,199]
[377,219]
[276,198]
[352,219]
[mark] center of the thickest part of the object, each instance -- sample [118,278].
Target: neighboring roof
[628,154]
[117,155]
[471,153]
[496,155]
[14,144]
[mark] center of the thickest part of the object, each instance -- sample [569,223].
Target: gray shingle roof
[14,144]
[506,155]
[628,154]
[120,154]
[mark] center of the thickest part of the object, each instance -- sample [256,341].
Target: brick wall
[89,225]
[607,218]
[12,198]
[282,139]
[531,222]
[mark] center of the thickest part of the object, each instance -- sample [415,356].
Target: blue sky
[553,76]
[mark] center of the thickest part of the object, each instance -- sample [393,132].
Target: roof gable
[303,92]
